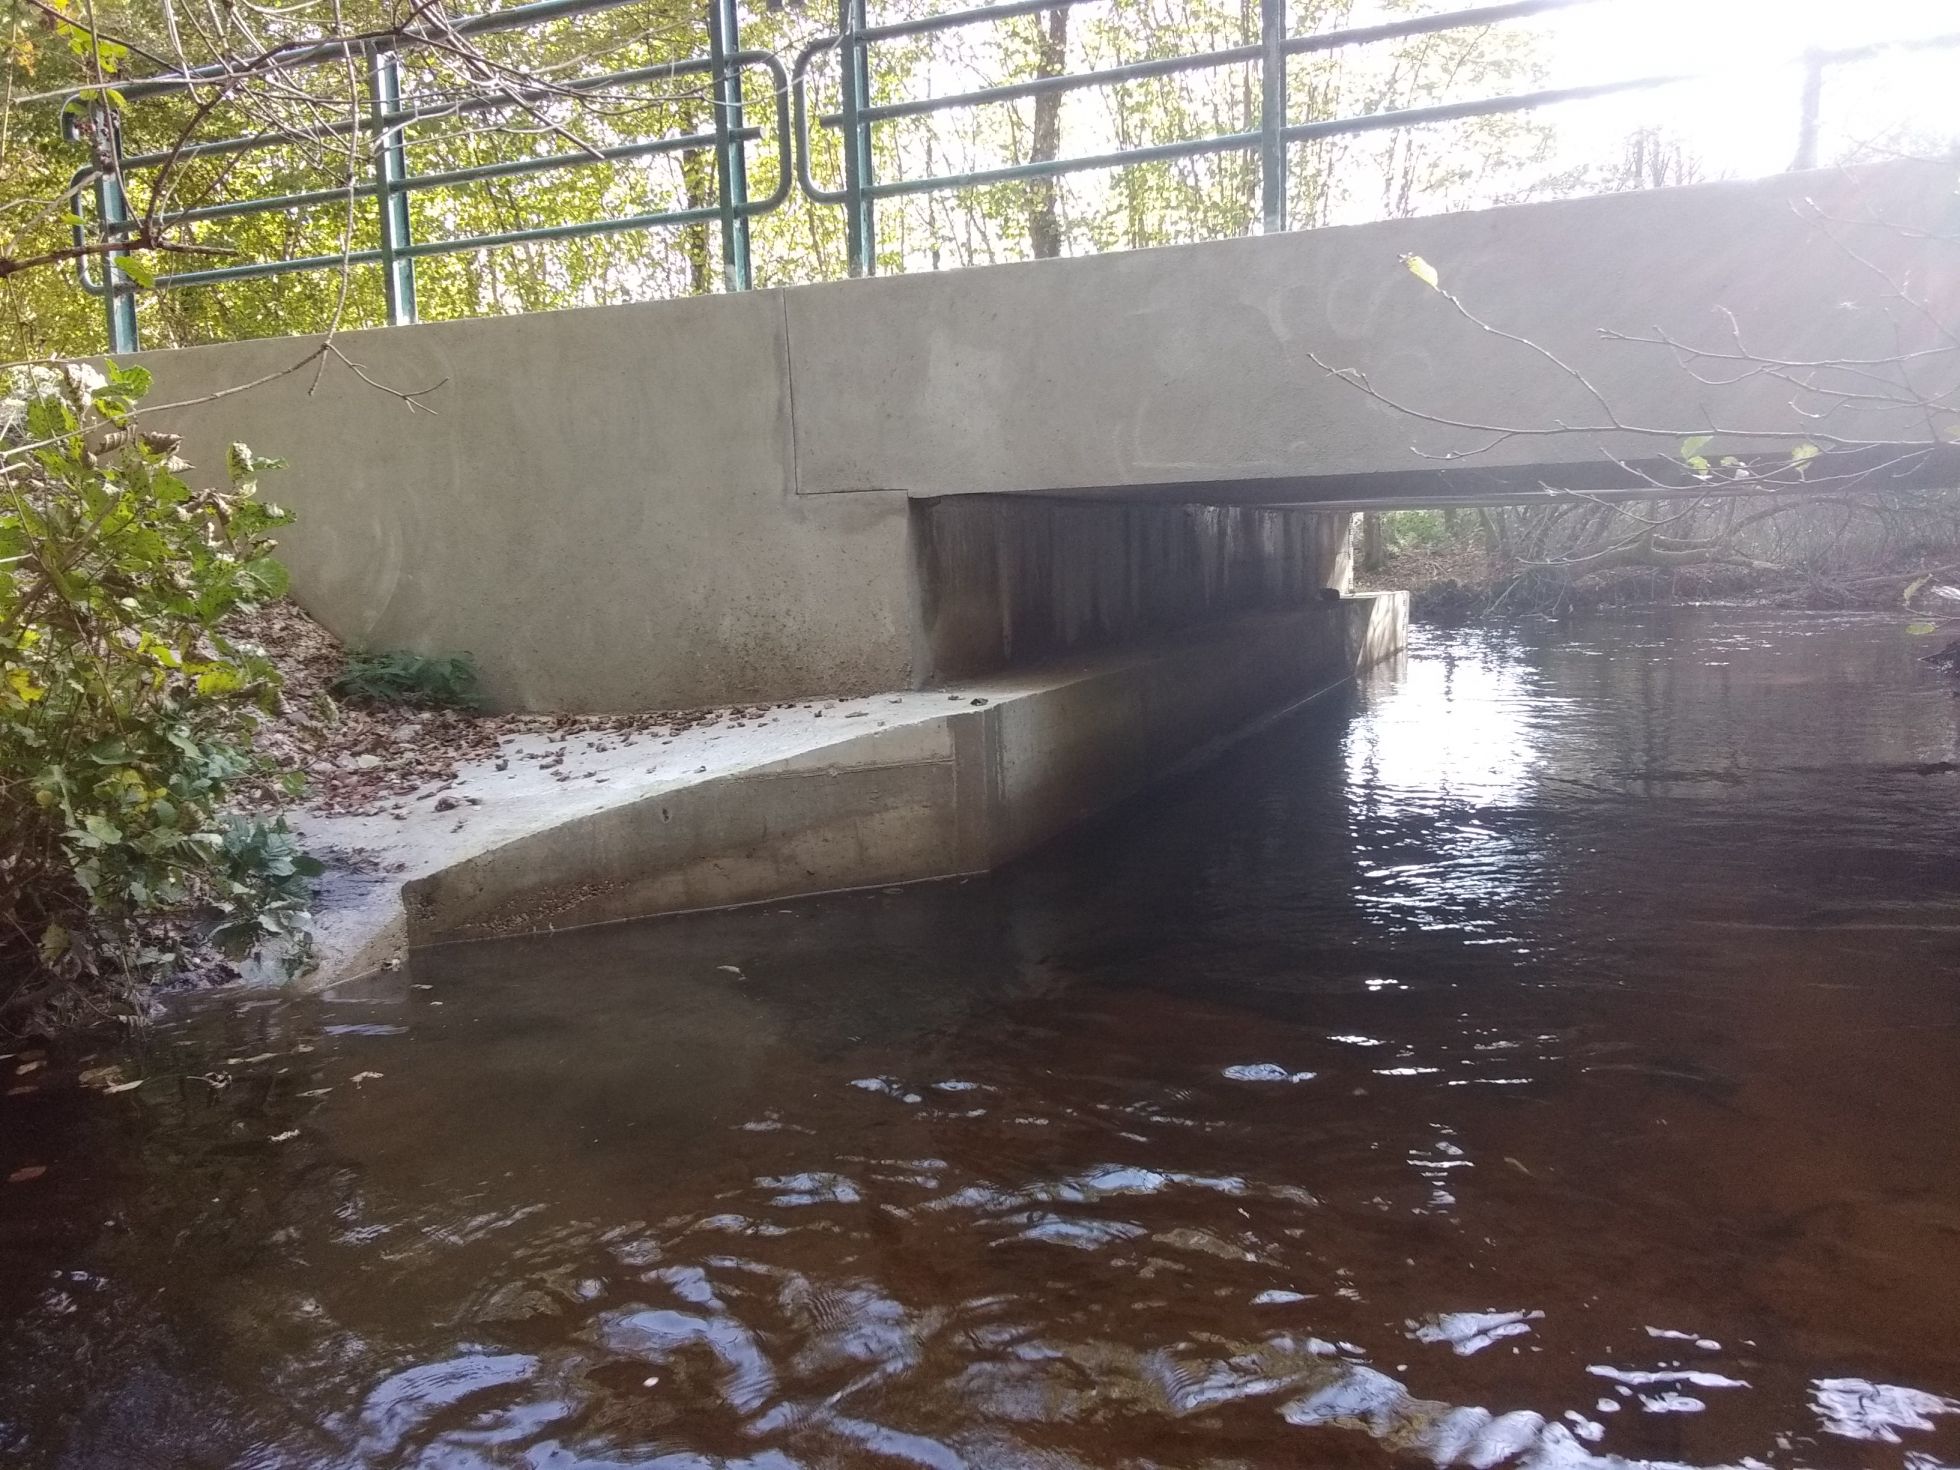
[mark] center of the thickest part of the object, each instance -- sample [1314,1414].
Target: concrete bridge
[1106,499]
[882,483]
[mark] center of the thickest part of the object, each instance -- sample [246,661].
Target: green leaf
[142,273]
[55,942]
[101,832]
[1423,271]
[132,380]
[1922,630]
[267,575]
[1804,454]
[1692,446]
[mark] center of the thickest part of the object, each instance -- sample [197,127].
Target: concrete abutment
[955,783]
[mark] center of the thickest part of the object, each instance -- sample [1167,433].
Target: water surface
[1548,1055]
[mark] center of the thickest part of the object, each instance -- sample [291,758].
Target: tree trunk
[701,187]
[1044,226]
[1374,542]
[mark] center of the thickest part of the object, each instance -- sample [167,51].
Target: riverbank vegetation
[1855,549]
[128,705]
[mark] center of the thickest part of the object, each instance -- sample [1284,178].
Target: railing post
[861,234]
[112,209]
[1272,114]
[1813,103]
[390,168]
[731,155]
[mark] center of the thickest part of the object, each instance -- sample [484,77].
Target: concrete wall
[600,505]
[1189,371]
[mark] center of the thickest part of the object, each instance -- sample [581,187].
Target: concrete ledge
[931,784]
[1013,761]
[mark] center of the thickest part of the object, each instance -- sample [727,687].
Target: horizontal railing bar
[1406,117]
[1042,86]
[1838,56]
[1049,168]
[409,115]
[951,20]
[456,246]
[1297,132]
[260,268]
[1354,36]
[515,17]
[1322,41]
[1424,25]
[306,199]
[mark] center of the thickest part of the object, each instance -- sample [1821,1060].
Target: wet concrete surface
[1547,1058]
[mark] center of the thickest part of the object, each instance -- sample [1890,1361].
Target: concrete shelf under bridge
[883,789]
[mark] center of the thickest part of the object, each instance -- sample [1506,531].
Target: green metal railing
[858,113]
[392,181]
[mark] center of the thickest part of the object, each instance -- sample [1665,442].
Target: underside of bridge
[878,484]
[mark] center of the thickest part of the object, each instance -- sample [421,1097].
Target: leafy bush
[401,677]
[126,712]
[1418,530]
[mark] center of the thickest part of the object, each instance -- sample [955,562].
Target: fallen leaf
[30,1171]
[100,1076]
[1423,271]
[125,1086]
[363,1076]
[283,1137]
[25,1067]
[1516,1165]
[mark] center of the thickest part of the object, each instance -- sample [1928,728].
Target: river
[1547,1054]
